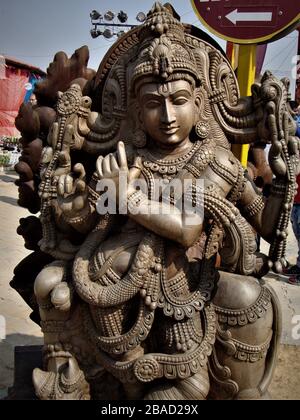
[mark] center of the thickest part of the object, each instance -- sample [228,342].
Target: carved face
[167,111]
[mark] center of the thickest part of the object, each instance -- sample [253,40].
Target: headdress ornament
[163,50]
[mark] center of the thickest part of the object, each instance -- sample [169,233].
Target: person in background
[294,270]
[33,100]
[297,118]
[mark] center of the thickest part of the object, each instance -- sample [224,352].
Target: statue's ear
[198,106]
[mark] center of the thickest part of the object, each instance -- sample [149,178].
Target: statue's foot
[67,384]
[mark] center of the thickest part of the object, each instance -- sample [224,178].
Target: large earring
[139,138]
[202,129]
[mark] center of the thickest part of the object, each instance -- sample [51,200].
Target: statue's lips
[169,130]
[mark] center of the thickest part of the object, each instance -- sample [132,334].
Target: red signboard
[248,21]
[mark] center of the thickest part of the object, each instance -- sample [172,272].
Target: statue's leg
[51,289]
[62,377]
[249,329]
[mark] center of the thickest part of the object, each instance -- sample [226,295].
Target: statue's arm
[263,214]
[165,220]
[270,217]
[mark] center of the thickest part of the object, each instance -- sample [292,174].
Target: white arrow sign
[236,16]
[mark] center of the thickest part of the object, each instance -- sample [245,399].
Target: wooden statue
[126,307]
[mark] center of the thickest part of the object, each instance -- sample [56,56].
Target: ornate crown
[163,50]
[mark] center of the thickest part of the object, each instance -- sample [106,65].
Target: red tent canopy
[13,77]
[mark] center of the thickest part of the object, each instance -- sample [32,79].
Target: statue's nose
[168,116]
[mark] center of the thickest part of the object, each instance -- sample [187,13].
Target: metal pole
[232,54]
[297,95]
[246,78]
[114,25]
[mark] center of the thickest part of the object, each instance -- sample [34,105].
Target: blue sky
[34,30]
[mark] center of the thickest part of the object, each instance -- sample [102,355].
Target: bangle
[93,196]
[85,214]
[255,207]
[195,196]
[278,189]
[135,200]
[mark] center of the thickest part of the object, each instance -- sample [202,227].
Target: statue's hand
[72,192]
[277,155]
[294,152]
[276,161]
[115,166]
[278,164]
[284,146]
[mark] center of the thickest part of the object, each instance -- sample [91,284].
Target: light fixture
[122,16]
[95,15]
[108,24]
[108,33]
[95,33]
[120,33]
[109,16]
[141,17]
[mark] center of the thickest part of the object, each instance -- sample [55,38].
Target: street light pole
[298,71]
[116,25]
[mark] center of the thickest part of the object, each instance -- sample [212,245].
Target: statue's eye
[180,100]
[152,104]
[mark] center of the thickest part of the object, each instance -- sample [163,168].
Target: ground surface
[286,382]
[20,330]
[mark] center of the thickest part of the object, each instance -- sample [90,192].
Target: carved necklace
[167,167]
[195,161]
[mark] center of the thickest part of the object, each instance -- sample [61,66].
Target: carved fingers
[65,185]
[47,155]
[121,152]
[110,166]
[106,166]
[135,170]
[72,190]
[64,164]
[114,167]
[294,145]
[72,183]
[79,171]
[273,126]
[99,166]
[276,161]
